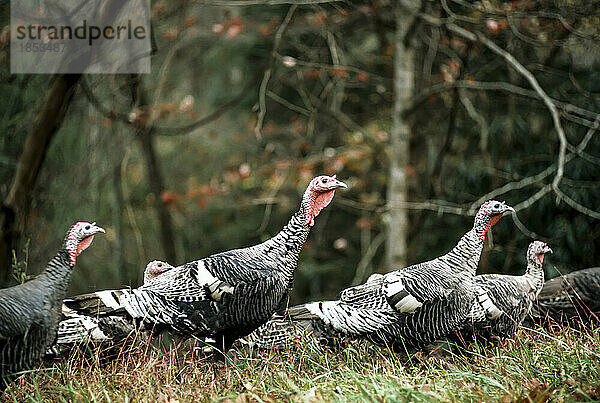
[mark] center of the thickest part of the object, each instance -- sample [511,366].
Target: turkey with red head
[409,307]
[76,328]
[513,295]
[30,312]
[223,296]
[155,268]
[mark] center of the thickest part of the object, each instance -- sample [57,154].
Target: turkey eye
[160,265]
[325,180]
[496,205]
[87,227]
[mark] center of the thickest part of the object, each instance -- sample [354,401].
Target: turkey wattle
[30,312]
[412,306]
[224,296]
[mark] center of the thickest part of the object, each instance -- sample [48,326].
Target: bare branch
[530,180]
[262,105]
[359,275]
[525,204]
[494,86]
[160,130]
[105,111]
[525,230]
[477,117]
[217,113]
[534,84]
[582,209]
[242,3]
[288,104]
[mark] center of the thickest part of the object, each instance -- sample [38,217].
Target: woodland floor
[559,364]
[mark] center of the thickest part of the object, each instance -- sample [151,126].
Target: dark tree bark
[119,206]
[15,207]
[145,134]
[156,182]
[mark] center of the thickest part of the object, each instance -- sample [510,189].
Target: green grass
[561,364]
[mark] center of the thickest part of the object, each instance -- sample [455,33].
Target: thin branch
[161,130]
[582,209]
[478,118]
[242,3]
[521,227]
[534,84]
[288,104]
[422,97]
[214,115]
[530,180]
[359,275]
[525,204]
[105,111]
[262,104]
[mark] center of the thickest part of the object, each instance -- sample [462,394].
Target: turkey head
[536,251]
[489,213]
[318,195]
[79,238]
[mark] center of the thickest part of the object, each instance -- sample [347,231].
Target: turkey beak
[547,249]
[338,184]
[98,229]
[508,208]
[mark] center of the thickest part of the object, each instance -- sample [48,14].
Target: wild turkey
[30,312]
[514,295]
[77,328]
[573,298]
[155,268]
[412,306]
[224,296]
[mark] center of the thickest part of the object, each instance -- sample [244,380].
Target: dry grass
[561,364]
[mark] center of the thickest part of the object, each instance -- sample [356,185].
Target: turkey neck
[58,271]
[535,274]
[293,236]
[465,255]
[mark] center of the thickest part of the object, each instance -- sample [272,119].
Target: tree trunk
[118,208]
[15,207]
[145,135]
[156,182]
[397,192]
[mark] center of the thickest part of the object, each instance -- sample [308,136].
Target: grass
[560,364]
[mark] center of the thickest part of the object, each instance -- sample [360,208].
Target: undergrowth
[560,364]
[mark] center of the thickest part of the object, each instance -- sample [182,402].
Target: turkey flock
[240,296]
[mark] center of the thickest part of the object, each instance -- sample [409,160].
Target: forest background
[424,108]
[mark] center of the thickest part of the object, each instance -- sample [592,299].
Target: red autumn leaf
[234,21]
[233,31]
[169,197]
[362,77]
[170,34]
[364,222]
[312,74]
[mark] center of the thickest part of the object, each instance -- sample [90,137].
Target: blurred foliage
[327,104]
